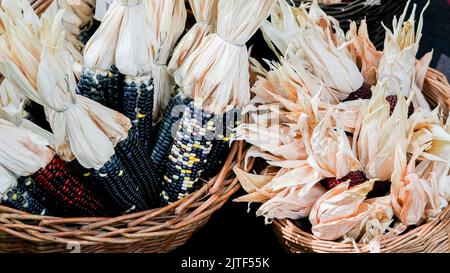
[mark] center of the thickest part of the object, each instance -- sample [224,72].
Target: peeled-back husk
[399,56]
[205,12]
[217,72]
[167,22]
[340,210]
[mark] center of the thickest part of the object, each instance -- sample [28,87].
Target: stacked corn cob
[205,12]
[214,91]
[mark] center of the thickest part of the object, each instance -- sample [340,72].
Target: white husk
[399,56]
[133,56]
[83,128]
[205,12]
[99,53]
[217,72]
[23,152]
[340,210]
[167,22]
[84,9]
[380,133]
[7,181]
[72,25]
[363,52]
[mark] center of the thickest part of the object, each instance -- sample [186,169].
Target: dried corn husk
[205,12]
[340,210]
[167,21]
[23,152]
[399,57]
[99,53]
[133,53]
[363,52]
[7,181]
[379,133]
[83,129]
[84,9]
[217,72]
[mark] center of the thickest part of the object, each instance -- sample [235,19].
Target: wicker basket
[374,11]
[431,237]
[155,231]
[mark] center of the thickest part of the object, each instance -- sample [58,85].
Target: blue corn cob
[141,168]
[113,92]
[188,154]
[138,98]
[173,113]
[92,85]
[87,32]
[116,181]
[22,198]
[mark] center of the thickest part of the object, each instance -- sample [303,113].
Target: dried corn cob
[172,114]
[117,182]
[87,32]
[138,106]
[188,154]
[60,181]
[113,93]
[139,165]
[92,85]
[22,198]
[221,144]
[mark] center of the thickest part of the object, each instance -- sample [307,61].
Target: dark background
[233,231]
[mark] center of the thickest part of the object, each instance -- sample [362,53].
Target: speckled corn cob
[221,143]
[117,182]
[138,106]
[188,154]
[173,113]
[93,84]
[60,181]
[139,165]
[113,93]
[21,198]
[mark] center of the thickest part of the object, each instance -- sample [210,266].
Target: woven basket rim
[291,235]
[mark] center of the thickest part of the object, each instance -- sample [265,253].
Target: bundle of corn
[205,13]
[25,153]
[217,76]
[84,129]
[350,168]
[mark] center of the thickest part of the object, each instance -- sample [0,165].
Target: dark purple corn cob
[364,92]
[393,102]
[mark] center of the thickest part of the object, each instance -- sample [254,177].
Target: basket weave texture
[374,11]
[431,237]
